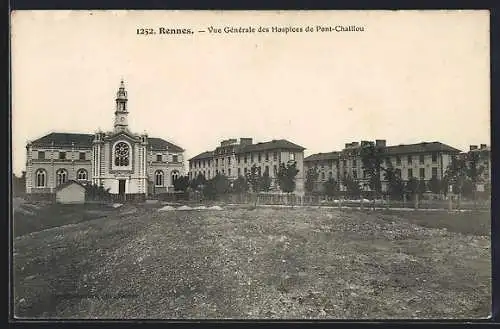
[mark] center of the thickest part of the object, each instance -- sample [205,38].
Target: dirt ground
[137,262]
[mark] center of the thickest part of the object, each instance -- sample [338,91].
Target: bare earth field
[137,262]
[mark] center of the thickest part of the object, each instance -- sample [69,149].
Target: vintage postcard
[251,165]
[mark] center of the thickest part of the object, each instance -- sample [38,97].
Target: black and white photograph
[252,165]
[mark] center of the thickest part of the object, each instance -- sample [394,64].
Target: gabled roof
[204,155]
[161,144]
[64,139]
[323,156]
[68,183]
[85,140]
[272,145]
[424,147]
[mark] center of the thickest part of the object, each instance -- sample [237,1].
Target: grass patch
[33,218]
[473,222]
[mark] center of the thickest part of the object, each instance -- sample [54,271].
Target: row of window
[246,158]
[121,156]
[82,174]
[61,176]
[206,174]
[397,172]
[160,177]
[409,158]
[159,158]
[61,155]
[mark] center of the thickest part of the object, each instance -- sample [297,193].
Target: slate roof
[204,155]
[323,156]
[161,144]
[65,139]
[85,140]
[275,144]
[272,145]
[424,147]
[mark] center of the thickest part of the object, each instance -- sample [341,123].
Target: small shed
[71,192]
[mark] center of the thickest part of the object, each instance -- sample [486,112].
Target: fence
[127,197]
[172,196]
[316,200]
[36,197]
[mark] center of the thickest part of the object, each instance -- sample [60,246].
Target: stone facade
[119,160]
[234,158]
[483,153]
[421,161]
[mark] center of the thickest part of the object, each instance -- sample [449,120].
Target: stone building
[327,165]
[421,161]
[120,160]
[483,153]
[234,158]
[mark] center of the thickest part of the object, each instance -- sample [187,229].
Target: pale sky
[409,77]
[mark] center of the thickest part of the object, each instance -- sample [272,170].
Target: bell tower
[121,111]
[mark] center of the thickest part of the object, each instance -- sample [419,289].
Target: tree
[487,190]
[372,157]
[97,192]
[216,186]
[395,185]
[469,189]
[456,174]
[19,184]
[265,182]
[312,175]
[474,172]
[286,176]
[422,187]
[331,187]
[353,189]
[412,187]
[254,179]
[181,183]
[197,182]
[240,185]
[435,185]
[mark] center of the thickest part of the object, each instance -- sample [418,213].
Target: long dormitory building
[421,161]
[235,157]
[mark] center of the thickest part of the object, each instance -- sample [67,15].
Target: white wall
[72,193]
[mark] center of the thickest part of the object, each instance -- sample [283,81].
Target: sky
[410,76]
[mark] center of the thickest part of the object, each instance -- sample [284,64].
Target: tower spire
[121,110]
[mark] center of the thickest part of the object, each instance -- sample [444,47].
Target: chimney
[473,147]
[380,143]
[483,146]
[246,141]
